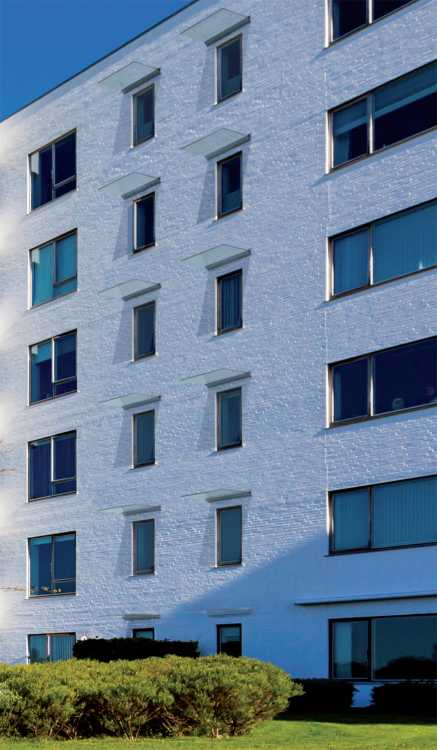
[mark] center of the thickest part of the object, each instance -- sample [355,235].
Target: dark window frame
[369,548]
[142,630]
[219,167]
[369,620]
[54,381]
[152,462]
[55,283]
[49,637]
[370,20]
[229,625]
[369,97]
[219,49]
[136,141]
[52,438]
[219,280]
[139,248]
[138,357]
[52,560]
[219,396]
[370,374]
[55,185]
[135,569]
[370,228]
[219,511]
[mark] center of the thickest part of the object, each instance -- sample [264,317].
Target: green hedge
[406,698]
[110,649]
[173,696]
[323,695]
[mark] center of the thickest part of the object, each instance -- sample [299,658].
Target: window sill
[224,99]
[136,250]
[226,448]
[50,400]
[53,201]
[148,465]
[43,305]
[369,287]
[30,500]
[360,420]
[221,566]
[366,550]
[142,142]
[235,329]
[146,574]
[142,358]
[33,597]
[235,211]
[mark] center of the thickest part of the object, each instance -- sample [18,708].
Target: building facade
[218,342]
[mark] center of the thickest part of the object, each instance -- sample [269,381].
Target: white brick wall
[290,459]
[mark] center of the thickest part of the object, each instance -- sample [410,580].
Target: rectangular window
[144,330]
[50,647]
[229,302]
[350,15]
[397,110]
[144,547]
[396,514]
[54,269]
[229,419]
[148,633]
[392,247]
[229,536]
[53,367]
[144,222]
[53,170]
[229,68]
[229,640]
[230,185]
[144,438]
[52,562]
[385,648]
[144,115]
[387,381]
[52,466]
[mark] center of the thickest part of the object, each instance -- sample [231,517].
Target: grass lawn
[355,733]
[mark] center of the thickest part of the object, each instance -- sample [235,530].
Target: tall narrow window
[52,466]
[348,15]
[53,170]
[53,367]
[350,389]
[229,640]
[144,438]
[229,536]
[144,115]
[350,132]
[229,302]
[229,419]
[350,649]
[54,269]
[51,647]
[52,564]
[144,330]
[144,210]
[148,633]
[230,191]
[144,546]
[351,261]
[230,68]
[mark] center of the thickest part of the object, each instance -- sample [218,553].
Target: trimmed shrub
[323,695]
[406,698]
[110,649]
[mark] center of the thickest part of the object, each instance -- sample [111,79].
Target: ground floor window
[148,633]
[229,640]
[50,647]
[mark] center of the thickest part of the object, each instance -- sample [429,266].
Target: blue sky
[43,42]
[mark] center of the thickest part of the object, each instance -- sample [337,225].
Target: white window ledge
[141,616]
[216,143]
[320,601]
[129,77]
[216,377]
[216,256]
[129,185]
[130,400]
[214,496]
[244,612]
[216,26]
[127,290]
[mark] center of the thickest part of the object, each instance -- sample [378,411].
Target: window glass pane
[64,462]
[406,106]
[144,535]
[65,363]
[351,520]
[65,158]
[350,390]
[64,564]
[405,377]
[41,176]
[230,68]
[42,265]
[405,243]
[231,194]
[145,221]
[144,330]
[145,115]
[40,565]
[61,647]
[405,647]
[229,418]
[66,262]
[382,7]
[349,130]
[229,531]
[347,15]
[351,261]
[229,301]
[229,640]
[350,649]
[38,645]
[405,512]
[147,633]
[41,371]
[39,469]
[144,438]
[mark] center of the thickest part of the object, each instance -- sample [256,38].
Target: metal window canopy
[323,600]
[131,511]
[217,377]
[216,256]
[244,612]
[129,400]
[130,184]
[216,143]
[127,290]
[141,616]
[214,496]
[129,77]
[216,26]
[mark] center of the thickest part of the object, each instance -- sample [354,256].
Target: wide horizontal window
[229,302]
[397,110]
[385,648]
[144,330]
[148,633]
[229,419]
[230,185]
[387,249]
[144,546]
[229,536]
[51,647]
[52,562]
[53,367]
[53,170]
[54,269]
[52,466]
[350,15]
[144,222]
[144,115]
[230,68]
[387,381]
[229,640]
[396,514]
[144,438]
